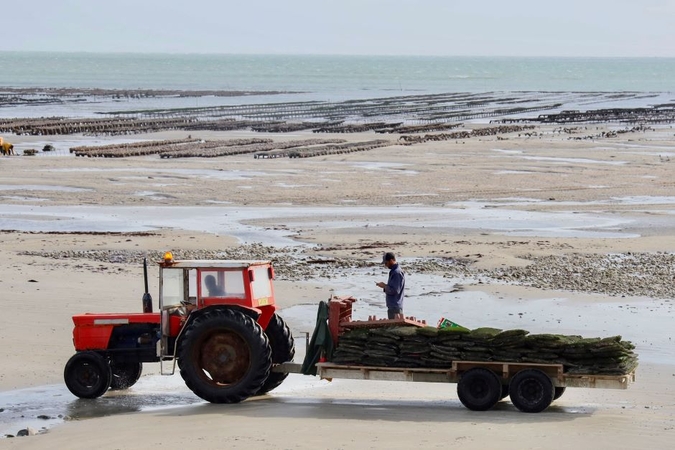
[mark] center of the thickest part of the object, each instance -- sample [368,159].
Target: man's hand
[381,284]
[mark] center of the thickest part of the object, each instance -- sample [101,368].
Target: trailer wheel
[559,391]
[505,391]
[225,356]
[283,350]
[531,390]
[87,375]
[125,375]
[479,389]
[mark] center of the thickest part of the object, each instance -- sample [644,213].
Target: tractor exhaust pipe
[147,298]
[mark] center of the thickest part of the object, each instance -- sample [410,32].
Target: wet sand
[493,202]
[364,415]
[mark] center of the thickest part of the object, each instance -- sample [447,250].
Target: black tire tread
[505,392]
[283,350]
[251,331]
[544,382]
[493,395]
[125,375]
[98,363]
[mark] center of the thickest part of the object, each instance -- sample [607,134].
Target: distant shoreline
[329,55]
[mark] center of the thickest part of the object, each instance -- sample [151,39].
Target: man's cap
[388,257]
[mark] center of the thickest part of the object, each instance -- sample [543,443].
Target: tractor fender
[253,313]
[262,315]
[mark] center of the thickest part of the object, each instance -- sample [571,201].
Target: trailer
[532,387]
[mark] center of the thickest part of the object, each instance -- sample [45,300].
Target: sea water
[336,74]
[298,78]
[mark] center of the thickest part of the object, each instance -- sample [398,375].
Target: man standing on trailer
[394,288]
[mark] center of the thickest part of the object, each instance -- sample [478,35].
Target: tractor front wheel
[87,375]
[125,375]
[224,356]
[283,350]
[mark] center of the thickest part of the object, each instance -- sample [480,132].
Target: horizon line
[352,55]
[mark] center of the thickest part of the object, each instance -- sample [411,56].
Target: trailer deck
[328,370]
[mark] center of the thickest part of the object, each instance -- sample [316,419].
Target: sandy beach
[481,213]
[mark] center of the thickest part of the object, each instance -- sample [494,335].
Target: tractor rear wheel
[125,375]
[87,375]
[283,350]
[479,389]
[224,356]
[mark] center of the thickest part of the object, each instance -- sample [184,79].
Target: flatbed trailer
[532,387]
[480,384]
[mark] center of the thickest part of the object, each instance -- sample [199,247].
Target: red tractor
[216,319]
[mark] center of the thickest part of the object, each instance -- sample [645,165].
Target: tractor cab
[189,287]
[202,283]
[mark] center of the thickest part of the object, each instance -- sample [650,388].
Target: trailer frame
[504,370]
[489,373]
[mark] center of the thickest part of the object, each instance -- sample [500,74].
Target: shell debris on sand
[632,274]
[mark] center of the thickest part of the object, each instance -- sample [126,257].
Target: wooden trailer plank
[329,371]
[600,381]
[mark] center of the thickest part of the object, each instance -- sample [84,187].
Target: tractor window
[192,289]
[218,283]
[173,287]
[261,285]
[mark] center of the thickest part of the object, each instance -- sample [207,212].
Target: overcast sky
[371,27]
